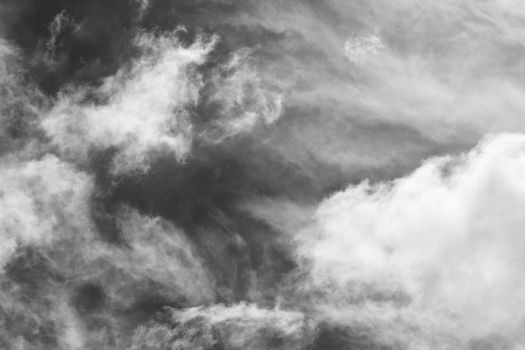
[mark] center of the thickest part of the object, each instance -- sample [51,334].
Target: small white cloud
[143,5]
[62,22]
[246,97]
[361,48]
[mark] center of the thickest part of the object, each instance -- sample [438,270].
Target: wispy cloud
[254,175]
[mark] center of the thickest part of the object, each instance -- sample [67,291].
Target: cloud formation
[218,174]
[41,201]
[434,255]
[144,108]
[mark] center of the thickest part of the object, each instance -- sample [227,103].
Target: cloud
[59,27]
[43,204]
[241,326]
[359,49]
[148,109]
[40,201]
[245,96]
[143,5]
[447,69]
[156,254]
[20,103]
[438,76]
[215,156]
[432,256]
[143,109]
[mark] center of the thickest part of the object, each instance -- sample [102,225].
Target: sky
[227,175]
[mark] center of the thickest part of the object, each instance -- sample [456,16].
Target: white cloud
[359,48]
[41,201]
[432,260]
[438,74]
[446,68]
[433,256]
[242,326]
[143,5]
[61,23]
[143,109]
[245,95]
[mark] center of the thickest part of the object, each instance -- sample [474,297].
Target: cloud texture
[218,174]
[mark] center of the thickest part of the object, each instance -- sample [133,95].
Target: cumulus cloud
[432,256]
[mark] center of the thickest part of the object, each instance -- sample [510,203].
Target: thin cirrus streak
[218,174]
